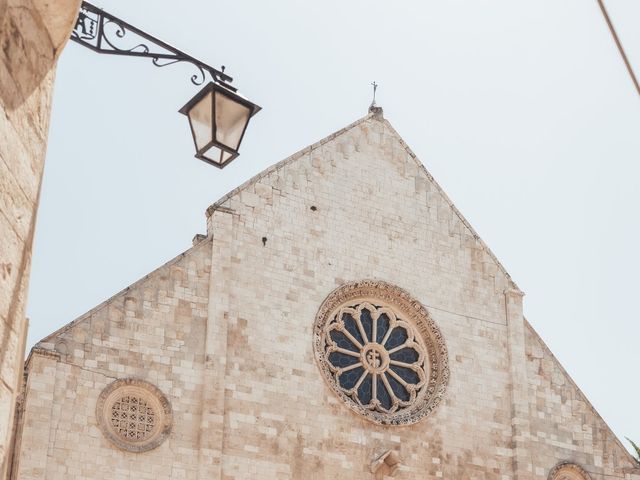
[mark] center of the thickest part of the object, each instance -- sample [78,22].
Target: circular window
[134,415]
[568,471]
[380,352]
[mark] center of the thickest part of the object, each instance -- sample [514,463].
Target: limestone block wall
[358,206]
[564,425]
[32,34]
[377,215]
[225,331]
[152,331]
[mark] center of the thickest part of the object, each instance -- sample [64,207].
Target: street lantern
[218,114]
[218,117]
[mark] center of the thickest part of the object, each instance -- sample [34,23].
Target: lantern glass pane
[216,155]
[200,117]
[231,120]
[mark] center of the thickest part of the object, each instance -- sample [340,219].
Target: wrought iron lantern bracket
[218,114]
[103,32]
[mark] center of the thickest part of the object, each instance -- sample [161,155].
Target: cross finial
[375,87]
[373,108]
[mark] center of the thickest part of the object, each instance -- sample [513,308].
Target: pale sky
[522,110]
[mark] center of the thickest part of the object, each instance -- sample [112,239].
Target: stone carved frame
[568,471]
[395,298]
[154,399]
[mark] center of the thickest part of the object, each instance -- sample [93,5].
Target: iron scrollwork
[105,33]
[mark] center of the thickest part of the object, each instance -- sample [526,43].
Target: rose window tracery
[132,417]
[134,414]
[375,358]
[381,352]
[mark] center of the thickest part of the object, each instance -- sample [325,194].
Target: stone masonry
[32,35]
[225,332]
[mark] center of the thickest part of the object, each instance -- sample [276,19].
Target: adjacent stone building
[339,319]
[32,35]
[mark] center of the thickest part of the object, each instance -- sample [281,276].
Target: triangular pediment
[231,322]
[350,137]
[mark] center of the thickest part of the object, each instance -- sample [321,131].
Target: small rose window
[568,471]
[134,415]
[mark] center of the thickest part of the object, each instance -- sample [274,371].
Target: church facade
[339,319]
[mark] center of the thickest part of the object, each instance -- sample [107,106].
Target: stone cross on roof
[373,108]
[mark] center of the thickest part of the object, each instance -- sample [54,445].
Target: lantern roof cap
[220,87]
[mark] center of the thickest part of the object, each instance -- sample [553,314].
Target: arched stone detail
[568,471]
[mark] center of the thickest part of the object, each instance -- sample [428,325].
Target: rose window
[134,414]
[374,357]
[380,352]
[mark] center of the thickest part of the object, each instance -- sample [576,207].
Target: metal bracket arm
[105,33]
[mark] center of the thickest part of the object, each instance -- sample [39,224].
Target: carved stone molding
[386,464]
[568,471]
[380,352]
[134,415]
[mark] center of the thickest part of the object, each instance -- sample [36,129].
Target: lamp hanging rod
[103,32]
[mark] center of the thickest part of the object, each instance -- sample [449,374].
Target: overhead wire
[619,44]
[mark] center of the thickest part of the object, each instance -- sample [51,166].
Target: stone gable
[152,331]
[225,332]
[564,423]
